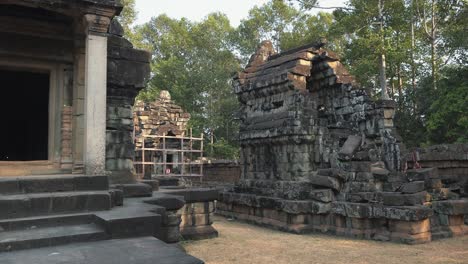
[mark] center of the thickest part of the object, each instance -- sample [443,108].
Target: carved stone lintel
[96,23]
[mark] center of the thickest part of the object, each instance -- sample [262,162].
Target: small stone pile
[159,118]
[319,154]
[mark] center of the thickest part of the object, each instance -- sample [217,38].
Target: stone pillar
[95,95]
[78,105]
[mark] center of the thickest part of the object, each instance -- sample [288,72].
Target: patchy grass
[244,243]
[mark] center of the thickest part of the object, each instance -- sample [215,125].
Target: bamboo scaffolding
[146,161]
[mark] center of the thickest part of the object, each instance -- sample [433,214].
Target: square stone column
[95,104]
[95,92]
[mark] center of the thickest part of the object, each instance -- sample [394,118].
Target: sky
[196,10]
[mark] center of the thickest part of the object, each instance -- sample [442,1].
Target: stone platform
[415,213]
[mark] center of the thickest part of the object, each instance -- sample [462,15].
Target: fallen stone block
[412,187]
[325,181]
[351,144]
[422,174]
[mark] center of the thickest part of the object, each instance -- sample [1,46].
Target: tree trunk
[383,78]
[413,64]
[433,47]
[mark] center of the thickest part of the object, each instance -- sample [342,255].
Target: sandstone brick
[411,239]
[410,227]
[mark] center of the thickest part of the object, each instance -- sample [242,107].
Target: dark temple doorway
[24,108]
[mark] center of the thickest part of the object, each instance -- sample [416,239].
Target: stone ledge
[289,206]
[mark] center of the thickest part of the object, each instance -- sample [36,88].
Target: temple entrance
[24,107]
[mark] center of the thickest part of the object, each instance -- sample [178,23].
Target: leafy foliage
[448,114]
[128,16]
[194,61]
[426,64]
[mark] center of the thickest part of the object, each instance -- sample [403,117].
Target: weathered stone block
[451,207]
[325,195]
[393,199]
[364,176]
[411,239]
[456,220]
[435,184]
[422,174]
[325,181]
[412,187]
[410,227]
[407,213]
[351,144]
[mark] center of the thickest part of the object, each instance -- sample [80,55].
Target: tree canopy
[424,42]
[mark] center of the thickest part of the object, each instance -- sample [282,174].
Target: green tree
[267,22]
[195,62]
[128,16]
[447,119]
[286,26]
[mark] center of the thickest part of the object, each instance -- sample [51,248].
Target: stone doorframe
[56,96]
[90,23]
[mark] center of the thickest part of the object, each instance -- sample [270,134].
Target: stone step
[46,221]
[54,183]
[50,236]
[134,189]
[33,204]
[145,250]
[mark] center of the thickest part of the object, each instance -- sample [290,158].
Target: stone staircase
[43,211]
[62,218]
[35,232]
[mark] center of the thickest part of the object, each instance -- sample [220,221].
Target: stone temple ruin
[67,188]
[319,154]
[165,146]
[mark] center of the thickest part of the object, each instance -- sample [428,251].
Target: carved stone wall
[128,69]
[319,154]
[159,118]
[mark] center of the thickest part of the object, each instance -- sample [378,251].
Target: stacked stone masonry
[196,216]
[221,172]
[318,154]
[451,161]
[159,118]
[128,70]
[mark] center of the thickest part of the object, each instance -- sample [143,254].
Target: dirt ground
[244,243]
